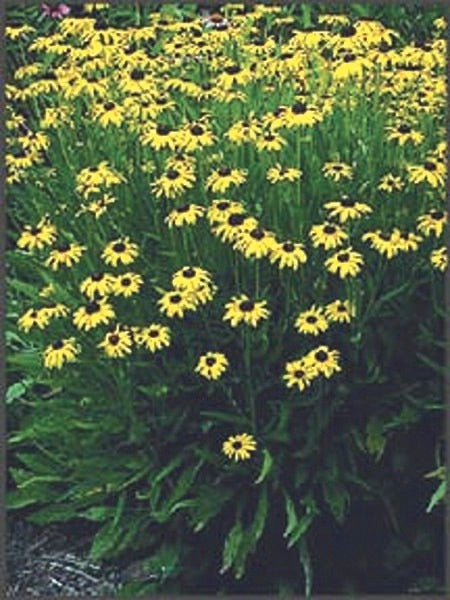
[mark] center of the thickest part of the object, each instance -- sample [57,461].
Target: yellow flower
[288,254]
[127,284]
[220,210]
[66,254]
[439,258]
[43,234]
[97,312]
[255,243]
[188,214]
[176,303]
[390,183]
[324,360]
[120,251]
[384,243]
[243,310]
[328,235]
[270,141]
[34,317]
[311,321]
[117,343]
[404,133]
[279,173]
[239,447]
[300,373]
[154,337]
[173,182]
[224,177]
[337,171]
[345,262]
[61,352]
[432,172]
[190,278]
[432,222]
[108,113]
[346,208]
[340,311]
[97,284]
[212,365]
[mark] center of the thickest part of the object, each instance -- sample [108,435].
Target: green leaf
[266,466]
[438,495]
[97,513]
[231,546]
[104,541]
[17,390]
[208,503]
[375,440]
[337,498]
[53,513]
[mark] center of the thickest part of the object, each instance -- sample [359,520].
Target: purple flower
[56,12]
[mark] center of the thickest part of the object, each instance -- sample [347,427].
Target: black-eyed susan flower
[173,182]
[154,337]
[243,310]
[117,343]
[176,303]
[244,131]
[439,258]
[127,284]
[196,136]
[97,284]
[337,171]
[33,317]
[92,179]
[57,310]
[61,352]
[300,373]
[120,251]
[384,243]
[404,133]
[187,214]
[47,291]
[239,447]
[432,172]
[108,113]
[181,160]
[347,208]
[302,114]
[390,183]
[407,241]
[97,312]
[432,222]
[311,321]
[327,235]
[97,207]
[220,210]
[66,254]
[270,141]
[279,173]
[288,254]
[340,311]
[324,360]
[224,177]
[190,278]
[160,136]
[38,236]
[235,224]
[255,242]
[345,263]
[212,365]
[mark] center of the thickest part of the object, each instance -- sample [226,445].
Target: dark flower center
[126,281]
[224,171]
[342,308]
[57,345]
[109,106]
[347,202]
[113,339]
[437,215]
[137,74]
[119,247]
[384,236]
[35,230]
[329,229]
[246,305]
[286,55]
[34,314]
[223,205]
[279,111]
[197,130]
[64,247]
[97,276]
[162,130]
[92,308]
[237,445]
[236,219]
[257,234]
[93,169]
[288,247]
[430,166]
[337,167]
[100,25]
[299,108]
[189,272]
[349,57]
[161,100]
[210,361]
[232,70]
[183,209]
[344,257]
[299,374]
[175,298]
[153,333]
[311,319]
[321,356]
[404,128]
[172,174]
[269,137]
[348,31]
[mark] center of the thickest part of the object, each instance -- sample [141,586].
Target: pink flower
[56,12]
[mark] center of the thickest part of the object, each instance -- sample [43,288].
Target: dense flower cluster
[231,166]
